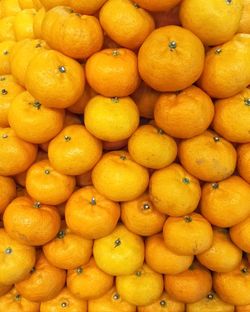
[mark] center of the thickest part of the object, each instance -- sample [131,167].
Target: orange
[31,223]
[26,4]
[79,106]
[243,308]
[113,72]
[142,287]
[126,179]
[234,287]
[232,117]
[16,155]
[208,157]
[4,289]
[210,303]
[166,54]
[156,6]
[14,302]
[16,259]
[163,260]
[26,113]
[37,23]
[86,6]
[23,24]
[10,7]
[47,185]
[64,301]
[7,192]
[7,28]
[163,304]
[9,90]
[195,15]
[223,255]
[117,145]
[189,286]
[111,302]
[145,98]
[244,21]
[44,281]
[243,161]
[48,4]
[191,109]
[150,147]
[21,56]
[6,48]
[72,34]
[84,179]
[61,77]
[141,217]
[240,234]
[126,23]
[119,253]
[98,214]
[111,119]
[74,150]
[174,191]
[220,77]
[68,250]
[226,203]
[88,281]
[189,235]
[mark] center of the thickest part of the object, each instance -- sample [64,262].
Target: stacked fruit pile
[124,155]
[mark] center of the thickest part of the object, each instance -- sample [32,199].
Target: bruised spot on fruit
[215,185]
[4,92]
[62,69]
[79,270]
[115,53]
[218,51]
[187,219]
[5,52]
[163,303]
[61,234]
[210,296]
[37,204]
[8,251]
[115,99]
[37,105]
[17,297]
[67,138]
[172,45]
[47,171]
[117,242]
[247,101]
[216,139]
[93,201]
[4,136]
[116,296]
[186,180]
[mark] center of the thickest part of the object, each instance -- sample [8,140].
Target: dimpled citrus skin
[166,54]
